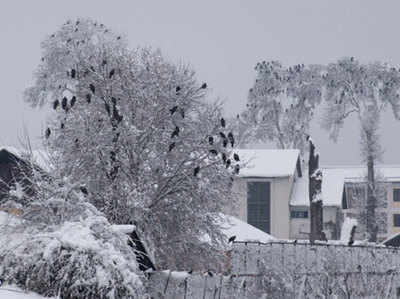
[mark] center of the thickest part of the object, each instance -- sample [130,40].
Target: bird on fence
[232,239]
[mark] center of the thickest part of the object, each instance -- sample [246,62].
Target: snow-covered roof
[268,162]
[333,179]
[243,231]
[39,157]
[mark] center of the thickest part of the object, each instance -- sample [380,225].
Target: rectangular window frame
[256,215]
[396,220]
[396,194]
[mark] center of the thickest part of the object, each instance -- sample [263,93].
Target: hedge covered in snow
[77,254]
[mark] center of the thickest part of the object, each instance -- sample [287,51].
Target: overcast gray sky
[222,40]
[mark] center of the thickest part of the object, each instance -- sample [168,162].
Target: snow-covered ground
[12,292]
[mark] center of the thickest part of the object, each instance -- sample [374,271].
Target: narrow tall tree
[365,90]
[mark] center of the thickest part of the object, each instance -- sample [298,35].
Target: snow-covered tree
[136,131]
[281,103]
[366,90]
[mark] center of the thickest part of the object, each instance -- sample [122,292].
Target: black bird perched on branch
[73,101]
[182,112]
[88,98]
[224,157]
[84,190]
[196,171]
[204,86]
[107,107]
[173,109]
[209,273]
[55,104]
[175,133]
[223,122]
[47,133]
[73,73]
[225,142]
[62,126]
[171,146]
[112,72]
[211,140]
[104,62]
[236,157]
[232,239]
[231,139]
[228,163]
[177,89]
[222,135]
[64,103]
[92,88]
[214,152]
[237,169]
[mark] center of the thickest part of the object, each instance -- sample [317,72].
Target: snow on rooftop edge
[268,162]
[243,231]
[40,157]
[333,179]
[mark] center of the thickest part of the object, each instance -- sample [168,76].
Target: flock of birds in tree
[226,139]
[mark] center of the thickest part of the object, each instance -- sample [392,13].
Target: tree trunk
[314,181]
[372,228]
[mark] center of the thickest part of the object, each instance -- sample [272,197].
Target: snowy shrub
[78,256]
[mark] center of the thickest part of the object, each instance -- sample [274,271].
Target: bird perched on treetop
[211,140]
[92,88]
[47,133]
[232,239]
[55,104]
[204,86]
[223,122]
[196,171]
[64,103]
[112,72]
[236,157]
[171,146]
[73,101]
[231,139]
[173,109]
[73,73]
[175,133]
[88,98]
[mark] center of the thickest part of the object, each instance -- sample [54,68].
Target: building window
[396,220]
[396,194]
[258,205]
[298,214]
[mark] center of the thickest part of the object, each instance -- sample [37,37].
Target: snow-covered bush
[78,254]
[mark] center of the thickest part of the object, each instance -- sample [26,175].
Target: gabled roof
[39,157]
[333,180]
[268,162]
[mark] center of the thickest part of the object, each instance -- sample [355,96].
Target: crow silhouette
[236,157]
[47,133]
[204,86]
[175,133]
[222,135]
[237,169]
[62,126]
[177,89]
[224,157]
[112,72]
[171,146]
[182,112]
[73,101]
[211,140]
[64,103]
[104,62]
[92,88]
[232,239]
[223,122]
[209,273]
[118,38]
[55,104]
[228,163]
[196,171]
[88,98]
[225,142]
[84,190]
[213,151]
[173,109]
[73,73]
[107,107]
[231,139]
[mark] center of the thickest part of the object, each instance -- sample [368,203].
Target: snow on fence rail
[274,285]
[248,257]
